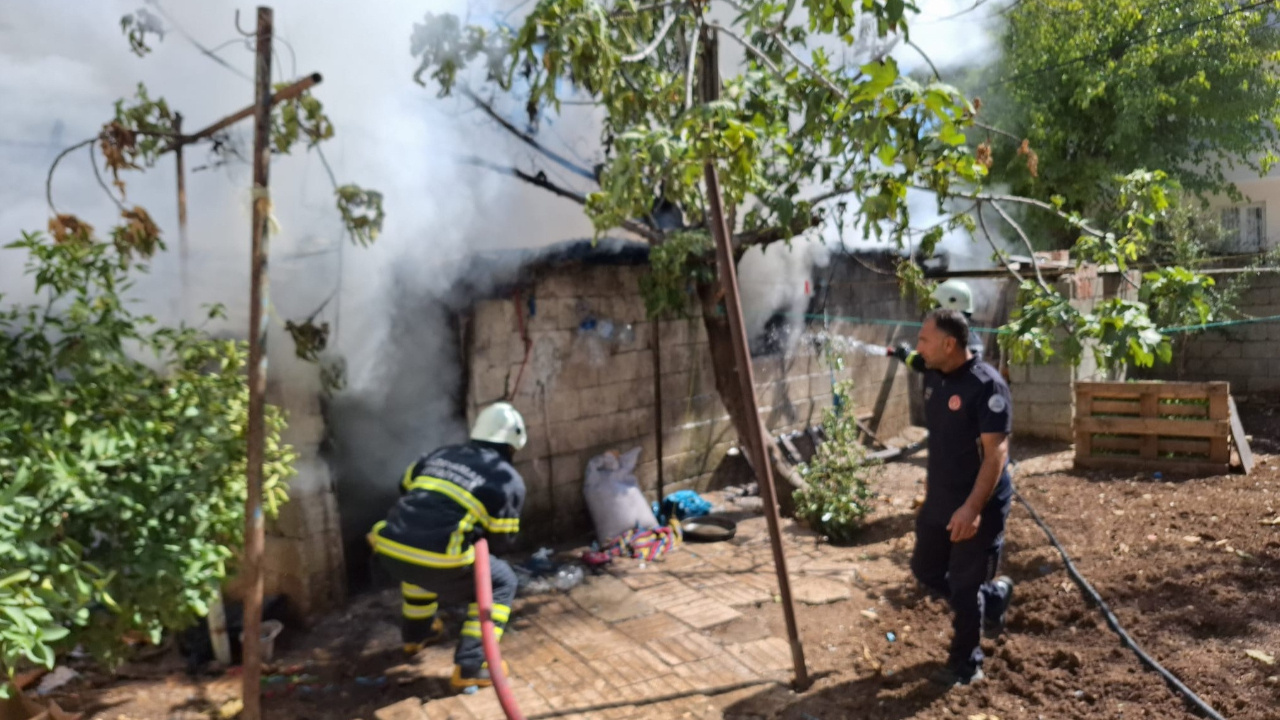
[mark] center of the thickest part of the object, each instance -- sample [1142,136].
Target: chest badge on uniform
[954,402]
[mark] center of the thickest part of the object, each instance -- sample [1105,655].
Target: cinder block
[1049,374]
[628,279]
[556,284]
[676,358]
[489,383]
[639,394]
[626,365]
[305,431]
[563,404]
[1264,384]
[1261,349]
[1234,368]
[562,437]
[567,469]
[1052,415]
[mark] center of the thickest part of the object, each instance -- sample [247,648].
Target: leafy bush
[838,494]
[121,482]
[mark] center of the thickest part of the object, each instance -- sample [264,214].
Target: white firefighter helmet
[954,295]
[502,424]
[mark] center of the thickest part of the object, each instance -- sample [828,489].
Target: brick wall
[1244,355]
[581,399]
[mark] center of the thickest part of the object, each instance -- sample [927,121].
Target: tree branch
[540,180]
[1026,241]
[93,162]
[999,253]
[527,138]
[808,68]
[645,8]
[936,75]
[997,131]
[693,61]
[757,52]
[774,234]
[830,194]
[1018,199]
[48,180]
[657,40]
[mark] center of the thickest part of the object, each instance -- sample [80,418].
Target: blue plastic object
[683,504]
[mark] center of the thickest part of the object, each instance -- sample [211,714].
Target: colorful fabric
[647,545]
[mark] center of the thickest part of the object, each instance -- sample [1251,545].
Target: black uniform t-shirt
[959,407]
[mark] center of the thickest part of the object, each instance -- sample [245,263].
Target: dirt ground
[1188,566]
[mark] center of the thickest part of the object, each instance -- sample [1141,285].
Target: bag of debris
[613,495]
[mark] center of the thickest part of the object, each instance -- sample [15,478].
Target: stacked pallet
[1173,427]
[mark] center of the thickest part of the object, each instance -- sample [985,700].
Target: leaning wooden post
[655,342]
[742,356]
[258,318]
[183,247]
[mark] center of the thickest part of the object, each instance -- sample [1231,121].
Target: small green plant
[838,491]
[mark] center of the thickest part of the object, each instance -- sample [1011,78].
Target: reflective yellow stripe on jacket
[467,501]
[417,556]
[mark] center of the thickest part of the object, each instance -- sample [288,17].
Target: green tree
[121,481]
[803,133]
[1099,88]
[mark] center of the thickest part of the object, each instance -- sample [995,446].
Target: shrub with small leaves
[121,481]
[838,491]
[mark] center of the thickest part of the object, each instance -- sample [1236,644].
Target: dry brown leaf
[1261,657]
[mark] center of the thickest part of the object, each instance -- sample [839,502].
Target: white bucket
[271,630]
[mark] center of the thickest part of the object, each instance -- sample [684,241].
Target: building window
[1245,227]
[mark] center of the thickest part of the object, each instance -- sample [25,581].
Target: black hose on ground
[1174,683]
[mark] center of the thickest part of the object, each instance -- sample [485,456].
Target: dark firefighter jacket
[449,499]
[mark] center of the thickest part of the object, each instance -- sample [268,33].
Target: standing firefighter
[950,295]
[449,499]
[960,528]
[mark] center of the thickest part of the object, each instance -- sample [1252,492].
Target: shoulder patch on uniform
[997,403]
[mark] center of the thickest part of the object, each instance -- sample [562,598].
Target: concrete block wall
[582,396]
[1044,395]
[303,556]
[1243,355]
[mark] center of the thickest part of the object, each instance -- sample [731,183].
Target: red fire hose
[484,602]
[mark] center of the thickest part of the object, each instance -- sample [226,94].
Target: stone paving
[634,642]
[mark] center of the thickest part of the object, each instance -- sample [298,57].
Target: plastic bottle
[568,577]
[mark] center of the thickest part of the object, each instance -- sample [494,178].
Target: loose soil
[1188,567]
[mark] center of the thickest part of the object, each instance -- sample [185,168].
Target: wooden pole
[183,247]
[258,319]
[742,357]
[656,344]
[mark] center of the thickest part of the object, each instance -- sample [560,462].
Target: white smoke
[953,33]
[62,65]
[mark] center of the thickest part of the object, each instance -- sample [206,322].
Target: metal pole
[183,247]
[746,379]
[656,344]
[258,318]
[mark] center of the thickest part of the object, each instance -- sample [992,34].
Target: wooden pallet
[1169,427]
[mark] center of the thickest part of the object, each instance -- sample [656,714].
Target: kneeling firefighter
[449,499]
